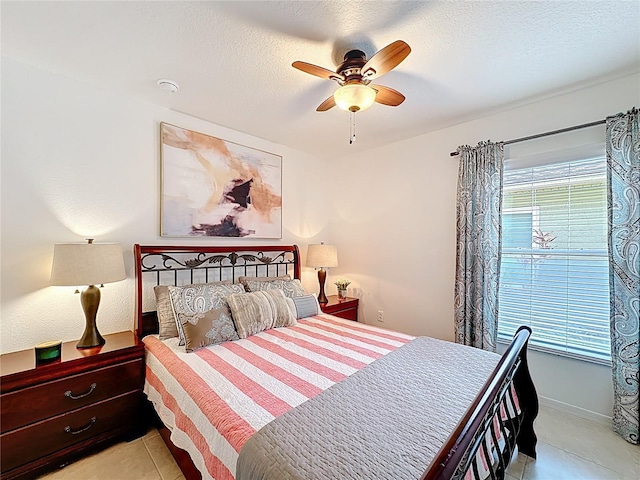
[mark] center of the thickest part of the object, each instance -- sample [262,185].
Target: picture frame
[211,187]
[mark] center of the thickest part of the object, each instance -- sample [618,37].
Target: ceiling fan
[354,75]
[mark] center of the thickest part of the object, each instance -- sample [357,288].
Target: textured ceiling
[233,59]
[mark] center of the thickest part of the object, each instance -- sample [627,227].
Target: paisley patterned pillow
[168,327]
[192,299]
[244,280]
[290,288]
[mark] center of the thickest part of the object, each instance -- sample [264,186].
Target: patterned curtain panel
[478,244]
[623,177]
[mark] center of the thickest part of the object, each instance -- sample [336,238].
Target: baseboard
[577,411]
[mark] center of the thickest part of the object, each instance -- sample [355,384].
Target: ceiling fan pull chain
[352,127]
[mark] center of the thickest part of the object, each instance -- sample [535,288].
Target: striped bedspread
[216,398]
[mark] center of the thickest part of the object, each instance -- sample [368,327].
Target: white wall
[584,389]
[394,226]
[79,161]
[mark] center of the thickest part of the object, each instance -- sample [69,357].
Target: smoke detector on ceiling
[168,85]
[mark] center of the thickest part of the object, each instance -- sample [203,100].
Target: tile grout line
[153,460]
[586,459]
[614,468]
[573,454]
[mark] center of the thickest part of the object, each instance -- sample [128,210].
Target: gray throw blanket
[386,421]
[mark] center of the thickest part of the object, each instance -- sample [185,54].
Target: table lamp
[322,256]
[91,264]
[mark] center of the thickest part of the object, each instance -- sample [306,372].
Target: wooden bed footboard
[476,431]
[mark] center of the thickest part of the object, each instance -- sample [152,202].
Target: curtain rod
[546,134]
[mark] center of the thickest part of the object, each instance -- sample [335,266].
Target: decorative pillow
[191,299]
[258,311]
[290,288]
[305,306]
[208,328]
[164,309]
[244,280]
[166,318]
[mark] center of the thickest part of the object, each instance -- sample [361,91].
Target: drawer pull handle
[74,397]
[76,432]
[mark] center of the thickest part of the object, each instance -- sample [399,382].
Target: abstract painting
[215,188]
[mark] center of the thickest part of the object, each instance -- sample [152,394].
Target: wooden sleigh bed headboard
[181,265]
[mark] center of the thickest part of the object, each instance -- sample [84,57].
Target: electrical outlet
[380,316]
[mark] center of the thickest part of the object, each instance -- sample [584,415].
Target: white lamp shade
[354,97]
[76,264]
[322,256]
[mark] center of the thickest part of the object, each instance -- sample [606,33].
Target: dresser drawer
[35,441]
[30,405]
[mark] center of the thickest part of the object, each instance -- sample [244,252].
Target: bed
[323,397]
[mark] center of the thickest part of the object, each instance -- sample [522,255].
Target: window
[554,267]
[520,222]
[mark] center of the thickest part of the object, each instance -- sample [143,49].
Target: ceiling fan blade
[317,71]
[385,60]
[387,96]
[326,105]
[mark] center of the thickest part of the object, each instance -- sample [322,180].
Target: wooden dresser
[347,308]
[54,413]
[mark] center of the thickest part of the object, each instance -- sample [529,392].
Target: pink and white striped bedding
[214,399]
[482,463]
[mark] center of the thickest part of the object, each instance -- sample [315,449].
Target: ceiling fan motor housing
[352,65]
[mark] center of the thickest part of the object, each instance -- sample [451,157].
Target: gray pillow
[306,306]
[190,299]
[258,311]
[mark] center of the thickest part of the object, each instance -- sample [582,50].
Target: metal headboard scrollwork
[181,265]
[247,264]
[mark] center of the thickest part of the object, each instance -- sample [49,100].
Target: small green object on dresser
[48,351]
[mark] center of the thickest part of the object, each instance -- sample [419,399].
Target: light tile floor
[146,458]
[572,448]
[569,448]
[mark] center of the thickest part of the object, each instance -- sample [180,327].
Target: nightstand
[347,308]
[56,412]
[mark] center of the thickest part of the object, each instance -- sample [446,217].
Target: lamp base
[322,276]
[91,339]
[90,299]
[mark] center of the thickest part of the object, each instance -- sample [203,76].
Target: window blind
[554,264]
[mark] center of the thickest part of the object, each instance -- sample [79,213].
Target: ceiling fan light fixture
[354,97]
